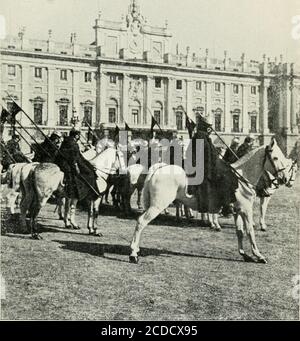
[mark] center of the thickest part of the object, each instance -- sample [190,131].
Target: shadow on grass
[100,250]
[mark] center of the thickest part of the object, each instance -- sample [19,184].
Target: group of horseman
[67,155]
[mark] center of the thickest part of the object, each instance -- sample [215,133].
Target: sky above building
[253,27]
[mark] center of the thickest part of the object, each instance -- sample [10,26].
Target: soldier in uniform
[75,168]
[246,147]
[14,153]
[229,157]
[219,183]
[47,151]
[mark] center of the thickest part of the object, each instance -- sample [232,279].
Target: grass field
[186,271]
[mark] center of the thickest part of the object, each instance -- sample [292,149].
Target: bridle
[291,171]
[276,172]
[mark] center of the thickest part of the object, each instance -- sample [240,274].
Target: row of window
[136,117]
[198,85]
[236,127]
[113,80]
[38,73]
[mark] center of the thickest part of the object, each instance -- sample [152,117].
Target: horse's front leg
[73,222]
[264,202]
[60,204]
[93,216]
[67,213]
[142,222]
[240,234]
[90,217]
[247,216]
[34,214]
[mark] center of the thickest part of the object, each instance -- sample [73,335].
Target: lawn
[186,271]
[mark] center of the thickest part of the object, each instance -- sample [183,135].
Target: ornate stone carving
[135,89]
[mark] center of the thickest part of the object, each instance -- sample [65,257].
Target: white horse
[105,164]
[164,184]
[36,189]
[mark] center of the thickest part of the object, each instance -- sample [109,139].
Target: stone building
[130,73]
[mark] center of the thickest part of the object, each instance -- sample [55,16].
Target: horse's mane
[248,156]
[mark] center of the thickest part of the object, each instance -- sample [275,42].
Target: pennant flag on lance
[153,124]
[127,128]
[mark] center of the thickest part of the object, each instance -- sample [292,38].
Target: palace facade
[130,73]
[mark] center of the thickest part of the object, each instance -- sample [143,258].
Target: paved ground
[186,271]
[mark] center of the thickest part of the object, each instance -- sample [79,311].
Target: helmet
[250,138]
[235,140]
[74,133]
[55,135]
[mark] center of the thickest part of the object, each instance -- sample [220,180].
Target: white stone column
[149,97]
[25,104]
[103,110]
[264,109]
[245,114]
[125,103]
[189,97]
[294,126]
[75,98]
[288,105]
[227,114]
[209,100]
[52,114]
[170,111]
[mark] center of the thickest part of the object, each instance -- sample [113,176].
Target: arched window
[158,111]
[236,114]
[63,109]
[218,119]
[136,112]
[113,111]
[38,110]
[253,122]
[179,120]
[199,112]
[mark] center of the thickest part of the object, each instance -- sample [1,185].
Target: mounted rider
[219,184]
[12,152]
[229,156]
[246,147]
[80,176]
[47,151]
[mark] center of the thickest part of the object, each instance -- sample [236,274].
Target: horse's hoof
[60,218]
[133,259]
[263,229]
[97,234]
[262,261]
[248,259]
[36,237]
[76,227]
[218,229]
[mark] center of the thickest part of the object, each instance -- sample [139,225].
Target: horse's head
[277,164]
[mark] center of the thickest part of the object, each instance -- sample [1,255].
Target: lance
[59,152]
[233,153]
[38,146]
[155,120]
